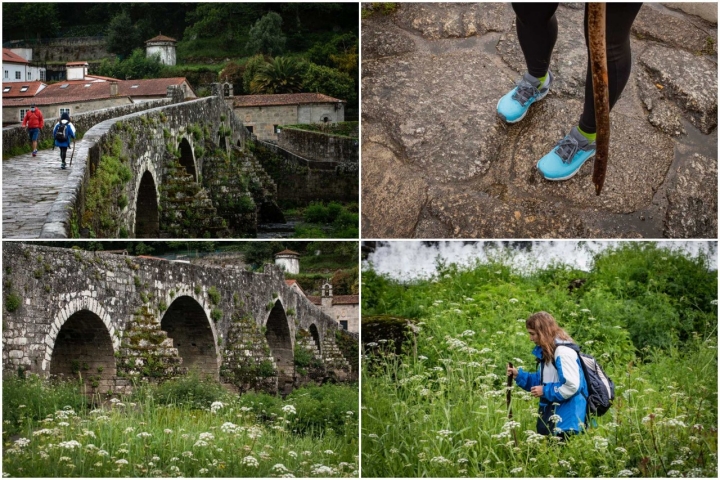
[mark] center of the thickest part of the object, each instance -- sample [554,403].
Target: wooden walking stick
[73,152]
[508,399]
[598,64]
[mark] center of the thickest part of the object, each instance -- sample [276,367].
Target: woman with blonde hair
[559,381]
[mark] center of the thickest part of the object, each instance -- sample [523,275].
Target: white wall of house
[20,72]
[166,52]
[76,73]
[319,112]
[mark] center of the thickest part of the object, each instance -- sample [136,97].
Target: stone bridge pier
[114,320]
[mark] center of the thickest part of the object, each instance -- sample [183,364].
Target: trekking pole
[598,63]
[508,400]
[73,152]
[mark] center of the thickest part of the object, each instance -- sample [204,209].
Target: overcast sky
[408,260]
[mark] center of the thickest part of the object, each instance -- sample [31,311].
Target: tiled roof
[346,300]
[152,87]
[92,89]
[282,99]
[76,64]
[337,300]
[99,77]
[17,87]
[287,252]
[161,38]
[12,57]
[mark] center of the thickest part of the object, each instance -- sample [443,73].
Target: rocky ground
[437,162]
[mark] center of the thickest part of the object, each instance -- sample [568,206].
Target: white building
[17,68]
[344,309]
[288,260]
[76,70]
[162,46]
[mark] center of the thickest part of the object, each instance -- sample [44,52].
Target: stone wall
[16,136]
[264,119]
[301,181]
[65,310]
[70,49]
[321,113]
[319,146]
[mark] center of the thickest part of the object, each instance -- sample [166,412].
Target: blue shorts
[33,133]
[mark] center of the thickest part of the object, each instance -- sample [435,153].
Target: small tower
[288,260]
[165,46]
[327,297]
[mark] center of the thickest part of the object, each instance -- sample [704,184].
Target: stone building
[345,309]
[17,67]
[288,260]
[162,46]
[263,115]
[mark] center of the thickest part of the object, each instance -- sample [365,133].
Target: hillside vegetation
[649,315]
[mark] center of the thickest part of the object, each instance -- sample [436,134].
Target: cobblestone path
[30,186]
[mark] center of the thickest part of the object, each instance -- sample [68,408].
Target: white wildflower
[289,409]
[250,461]
[216,406]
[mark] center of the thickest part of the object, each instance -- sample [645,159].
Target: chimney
[113,89]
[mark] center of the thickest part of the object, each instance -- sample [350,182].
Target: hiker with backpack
[559,382]
[63,131]
[33,121]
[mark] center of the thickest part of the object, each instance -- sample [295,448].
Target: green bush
[323,407]
[12,302]
[190,390]
[214,295]
[31,399]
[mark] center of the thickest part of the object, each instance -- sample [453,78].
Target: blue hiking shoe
[567,157]
[513,106]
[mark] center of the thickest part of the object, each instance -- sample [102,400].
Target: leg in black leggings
[537,32]
[619,20]
[63,153]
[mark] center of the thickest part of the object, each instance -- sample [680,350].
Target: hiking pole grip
[601,97]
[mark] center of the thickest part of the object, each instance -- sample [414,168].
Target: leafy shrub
[214,295]
[190,390]
[12,302]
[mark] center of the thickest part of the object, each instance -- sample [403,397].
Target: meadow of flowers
[188,433]
[647,314]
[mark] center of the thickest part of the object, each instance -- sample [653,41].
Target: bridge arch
[315,334]
[192,333]
[147,212]
[279,338]
[82,342]
[187,158]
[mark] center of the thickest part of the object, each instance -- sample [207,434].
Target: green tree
[252,67]
[122,35]
[136,66]
[30,20]
[266,36]
[329,81]
[280,75]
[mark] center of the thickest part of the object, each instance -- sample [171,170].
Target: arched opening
[147,219]
[187,159]
[83,349]
[278,338]
[189,327]
[316,338]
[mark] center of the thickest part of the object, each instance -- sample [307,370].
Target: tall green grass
[182,428]
[442,412]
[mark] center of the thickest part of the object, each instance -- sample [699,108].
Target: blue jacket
[563,384]
[70,132]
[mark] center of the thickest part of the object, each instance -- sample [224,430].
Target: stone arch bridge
[112,320]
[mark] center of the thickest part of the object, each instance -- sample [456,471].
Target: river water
[410,260]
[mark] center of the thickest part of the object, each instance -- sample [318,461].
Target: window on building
[42,75]
[18,76]
[6,89]
[64,110]
[24,88]
[249,128]
[29,76]
[22,114]
[65,85]
[343,324]
[276,128]
[7,74]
